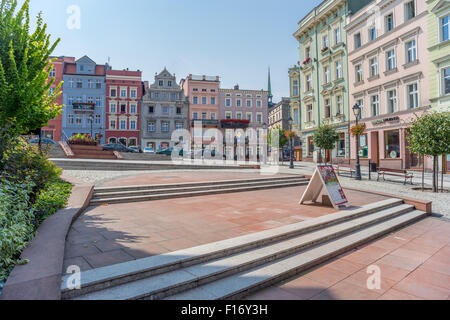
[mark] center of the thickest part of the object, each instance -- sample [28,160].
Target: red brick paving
[414,264]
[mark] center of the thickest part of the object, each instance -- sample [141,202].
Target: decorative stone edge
[40,278]
[66,148]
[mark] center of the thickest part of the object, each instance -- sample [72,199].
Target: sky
[235,39]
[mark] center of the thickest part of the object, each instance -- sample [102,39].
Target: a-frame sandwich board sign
[325,176]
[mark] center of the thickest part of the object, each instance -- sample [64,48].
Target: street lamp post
[291,145]
[357,113]
[265,143]
[91,117]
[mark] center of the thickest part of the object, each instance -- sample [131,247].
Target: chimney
[236,87]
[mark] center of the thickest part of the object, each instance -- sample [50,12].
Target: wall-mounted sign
[325,176]
[380,121]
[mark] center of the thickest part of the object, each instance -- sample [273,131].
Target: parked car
[118,147]
[149,150]
[169,151]
[139,150]
[43,141]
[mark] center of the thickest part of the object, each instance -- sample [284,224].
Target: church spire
[269,88]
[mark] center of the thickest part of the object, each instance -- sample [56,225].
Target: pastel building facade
[164,110]
[84,99]
[388,78]
[54,128]
[123,107]
[323,74]
[295,102]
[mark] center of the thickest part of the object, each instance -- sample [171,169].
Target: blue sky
[235,39]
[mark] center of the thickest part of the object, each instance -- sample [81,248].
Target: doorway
[375,154]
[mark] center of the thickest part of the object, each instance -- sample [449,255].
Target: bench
[345,168]
[395,172]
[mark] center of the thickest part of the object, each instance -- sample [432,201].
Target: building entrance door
[375,154]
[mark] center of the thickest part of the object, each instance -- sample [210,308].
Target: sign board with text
[325,176]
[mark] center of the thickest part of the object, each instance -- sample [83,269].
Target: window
[52,73]
[337,35]
[156,95]
[249,116]
[98,84]
[71,83]
[90,99]
[204,90]
[410,10]
[79,83]
[248,103]
[165,110]
[204,115]
[310,146]
[133,109]
[360,103]
[326,74]
[195,89]
[228,115]
[392,144]
[70,119]
[294,90]
[238,103]
[308,83]
[239,115]
[98,101]
[161,83]
[165,126]
[123,108]
[392,101]
[338,69]
[357,40]
[296,116]
[78,120]
[132,125]
[195,100]
[359,73]
[341,145]
[213,101]
[213,90]
[325,41]
[373,66]
[123,93]
[444,28]
[375,105]
[228,102]
[309,112]
[132,142]
[338,105]
[195,115]
[90,84]
[123,124]
[327,108]
[151,109]
[133,93]
[372,33]
[70,101]
[213,116]
[446,80]
[113,92]
[179,125]
[203,100]
[411,51]
[389,22]
[112,124]
[259,118]
[165,97]
[391,63]
[413,96]
[98,119]
[178,110]
[174,96]
[169,83]
[151,126]
[307,52]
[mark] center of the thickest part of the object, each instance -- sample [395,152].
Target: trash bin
[373,167]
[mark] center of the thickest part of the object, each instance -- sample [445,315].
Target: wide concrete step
[102,278]
[240,285]
[187,194]
[95,156]
[163,285]
[153,189]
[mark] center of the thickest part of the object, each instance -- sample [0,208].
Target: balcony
[83,107]
[234,123]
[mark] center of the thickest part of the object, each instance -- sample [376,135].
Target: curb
[40,279]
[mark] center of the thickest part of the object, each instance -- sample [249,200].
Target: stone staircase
[235,268]
[91,152]
[109,195]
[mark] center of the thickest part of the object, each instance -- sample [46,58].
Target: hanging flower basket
[358,130]
[307,61]
[290,134]
[324,49]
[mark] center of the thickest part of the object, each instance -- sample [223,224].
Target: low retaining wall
[40,279]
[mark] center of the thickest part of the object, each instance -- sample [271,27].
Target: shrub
[50,199]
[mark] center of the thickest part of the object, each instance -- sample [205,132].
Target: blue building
[84,99]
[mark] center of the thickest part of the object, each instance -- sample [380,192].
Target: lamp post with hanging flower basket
[357,131]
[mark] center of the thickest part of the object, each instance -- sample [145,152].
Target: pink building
[388,77]
[123,99]
[54,128]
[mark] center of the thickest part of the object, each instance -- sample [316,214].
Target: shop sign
[380,121]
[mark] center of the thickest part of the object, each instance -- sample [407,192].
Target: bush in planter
[83,139]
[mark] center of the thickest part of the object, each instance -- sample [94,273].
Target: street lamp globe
[290,121]
[357,111]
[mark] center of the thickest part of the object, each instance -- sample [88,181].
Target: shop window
[363,146]
[310,146]
[392,144]
[341,145]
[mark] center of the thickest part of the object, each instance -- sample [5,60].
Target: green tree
[25,64]
[282,139]
[430,135]
[325,137]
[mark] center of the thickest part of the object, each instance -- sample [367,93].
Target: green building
[323,73]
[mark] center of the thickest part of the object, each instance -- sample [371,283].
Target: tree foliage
[430,134]
[282,139]
[325,137]
[25,64]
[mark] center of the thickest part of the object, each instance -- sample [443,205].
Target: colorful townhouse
[323,77]
[53,130]
[388,77]
[295,102]
[164,110]
[123,107]
[84,99]
[203,95]
[439,53]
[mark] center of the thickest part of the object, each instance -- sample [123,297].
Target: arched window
[112,140]
[123,141]
[132,142]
